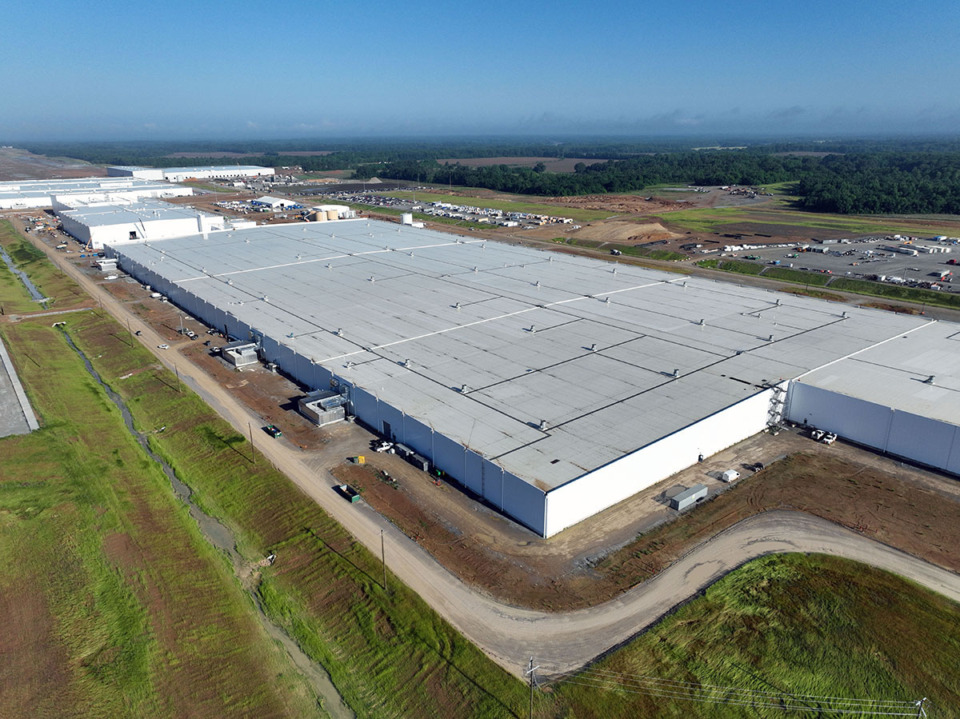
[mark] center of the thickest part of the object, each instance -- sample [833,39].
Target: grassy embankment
[389,655]
[313,586]
[62,291]
[791,623]
[114,604]
[715,220]
[900,293]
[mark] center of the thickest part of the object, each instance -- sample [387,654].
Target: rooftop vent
[339,331]
[701,323]
[457,306]
[929,380]
[593,347]
[543,425]
[533,329]
[676,373]
[463,389]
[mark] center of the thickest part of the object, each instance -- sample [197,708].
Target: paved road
[510,635]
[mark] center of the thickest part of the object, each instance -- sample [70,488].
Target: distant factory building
[30,194]
[179,174]
[275,203]
[555,386]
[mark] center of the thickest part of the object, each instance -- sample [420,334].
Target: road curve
[510,635]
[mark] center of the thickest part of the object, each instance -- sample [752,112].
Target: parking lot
[873,257]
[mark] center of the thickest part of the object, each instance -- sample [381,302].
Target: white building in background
[28,194]
[555,386]
[179,174]
[100,224]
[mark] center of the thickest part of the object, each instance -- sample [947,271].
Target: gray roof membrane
[586,345]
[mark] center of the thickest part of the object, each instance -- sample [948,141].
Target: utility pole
[920,711]
[533,678]
[253,454]
[177,370]
[383,560]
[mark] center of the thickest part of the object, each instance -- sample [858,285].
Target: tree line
[872,176]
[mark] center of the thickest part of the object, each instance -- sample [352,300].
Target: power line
[737,696]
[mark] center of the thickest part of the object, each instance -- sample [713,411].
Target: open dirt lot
[599,558]
[22,165]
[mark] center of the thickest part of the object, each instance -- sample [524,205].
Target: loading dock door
[387,432]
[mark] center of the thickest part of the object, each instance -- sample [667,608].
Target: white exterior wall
[222,174]
[928,441]
[604,487]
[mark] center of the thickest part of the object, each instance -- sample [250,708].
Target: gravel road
[564,641]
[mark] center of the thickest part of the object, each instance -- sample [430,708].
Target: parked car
[164,346]
[829,438]
[816,434]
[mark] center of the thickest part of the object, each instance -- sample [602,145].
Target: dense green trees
[875,176]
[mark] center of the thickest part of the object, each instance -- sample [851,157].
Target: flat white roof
[196,168]
[133,212]
[589,347]
[41,188]
[896,373]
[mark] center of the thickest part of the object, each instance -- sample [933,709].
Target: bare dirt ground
[22,165]
[35,673]
[506,633]
[620,204]
[599,558]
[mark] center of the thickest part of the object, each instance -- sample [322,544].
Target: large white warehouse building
[179,174]
[555,386]
[99,224]
[28,194]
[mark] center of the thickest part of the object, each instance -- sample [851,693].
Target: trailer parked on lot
[689,497]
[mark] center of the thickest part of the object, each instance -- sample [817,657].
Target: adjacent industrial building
[555,386]
[30,194]
[98,224]
[180,174]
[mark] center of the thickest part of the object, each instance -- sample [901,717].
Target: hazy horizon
[121,71]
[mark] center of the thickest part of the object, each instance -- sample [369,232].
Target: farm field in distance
[390,655]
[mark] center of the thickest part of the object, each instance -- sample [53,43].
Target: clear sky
[123,69]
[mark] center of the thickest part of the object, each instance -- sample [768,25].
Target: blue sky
[175,69]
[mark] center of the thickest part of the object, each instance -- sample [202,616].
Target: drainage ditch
[222,538]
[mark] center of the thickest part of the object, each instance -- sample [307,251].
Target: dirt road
[561,642]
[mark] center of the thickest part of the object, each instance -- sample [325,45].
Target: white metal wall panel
[925,440]
[473,475]
[450,456]
[418,436]
[522,501]
[594,492]
[394,417]
[854,419]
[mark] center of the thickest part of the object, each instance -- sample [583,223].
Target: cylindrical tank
[332,214]
[316,216]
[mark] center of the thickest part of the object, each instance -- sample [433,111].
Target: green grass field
[129,633]
[115,605]
[715,219]
[55,285]
[505,205]
[388,655]
[790,623]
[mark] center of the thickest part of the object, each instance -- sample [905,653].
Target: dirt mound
[625,232]
[621,204]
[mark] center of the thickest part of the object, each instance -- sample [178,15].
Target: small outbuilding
[240,353]
[689,497]
[323,407]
